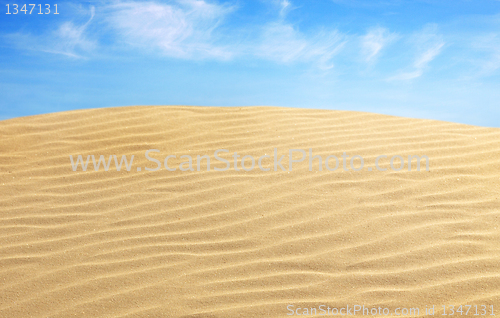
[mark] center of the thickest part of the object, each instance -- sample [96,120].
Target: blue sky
[435,59]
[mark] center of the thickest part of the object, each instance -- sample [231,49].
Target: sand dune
[244,243]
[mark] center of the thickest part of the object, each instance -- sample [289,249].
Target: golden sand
[244,244]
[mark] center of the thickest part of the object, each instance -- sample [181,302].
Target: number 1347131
[31,9]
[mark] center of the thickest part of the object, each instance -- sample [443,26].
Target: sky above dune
[425,59]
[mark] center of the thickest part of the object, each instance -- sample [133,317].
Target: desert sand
[244,243]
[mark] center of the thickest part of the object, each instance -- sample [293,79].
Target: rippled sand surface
[244,243]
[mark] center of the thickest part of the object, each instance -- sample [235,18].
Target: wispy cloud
[183,29]
[285,7]
[68,39]
[187,29]
[374,41]
[281,42]
[428,44]
[193,29]
[72,38]
[488,47]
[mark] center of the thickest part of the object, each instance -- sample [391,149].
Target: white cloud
[281,42]
[428,44]
[404,76]
[72,38]
[428,55]
[68,39]
[285,7]
[183,30]
[189,29]
[488,47]
[374,41]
